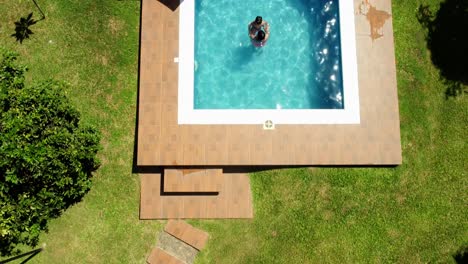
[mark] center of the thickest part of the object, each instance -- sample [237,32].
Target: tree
[46,155]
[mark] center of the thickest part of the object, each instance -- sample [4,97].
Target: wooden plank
[187,233]
[159,256]
[150,201]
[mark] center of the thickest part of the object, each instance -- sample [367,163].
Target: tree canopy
[46,155]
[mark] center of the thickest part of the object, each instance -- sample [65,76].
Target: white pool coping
[188,115]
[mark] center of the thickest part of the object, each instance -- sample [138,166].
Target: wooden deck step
[234,200]
[187,233]
[205,180]
[159,256]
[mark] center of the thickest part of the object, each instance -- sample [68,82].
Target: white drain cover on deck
[268,125]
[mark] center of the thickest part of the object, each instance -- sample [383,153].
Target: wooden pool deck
[162,142]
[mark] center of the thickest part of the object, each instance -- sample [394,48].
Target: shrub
[46,156]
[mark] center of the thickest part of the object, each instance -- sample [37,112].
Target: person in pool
[257,26]
[260,39]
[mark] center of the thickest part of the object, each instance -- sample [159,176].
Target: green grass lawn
[415,213]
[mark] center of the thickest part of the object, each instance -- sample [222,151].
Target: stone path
[179,243]
[177,248]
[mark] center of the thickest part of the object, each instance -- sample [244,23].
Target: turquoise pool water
[299,68]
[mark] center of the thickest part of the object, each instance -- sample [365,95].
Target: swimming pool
[306,74]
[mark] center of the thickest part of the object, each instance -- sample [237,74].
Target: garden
[412,213]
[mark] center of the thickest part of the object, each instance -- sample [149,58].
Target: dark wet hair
[260,35]
[258,20]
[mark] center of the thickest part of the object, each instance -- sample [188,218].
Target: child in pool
[260,39]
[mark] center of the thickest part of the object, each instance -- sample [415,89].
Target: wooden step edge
[184,172]
[209,180]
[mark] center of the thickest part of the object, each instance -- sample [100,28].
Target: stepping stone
[187,233]
[207,180]
[177,248]
[159,256]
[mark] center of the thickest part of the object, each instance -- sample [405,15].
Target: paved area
[162,142]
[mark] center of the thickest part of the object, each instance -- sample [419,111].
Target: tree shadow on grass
[30,254]
[22,26]
[447,39]
[461,255]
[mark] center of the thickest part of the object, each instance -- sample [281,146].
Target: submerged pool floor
[299,68]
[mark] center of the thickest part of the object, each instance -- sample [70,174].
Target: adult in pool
[259,31]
